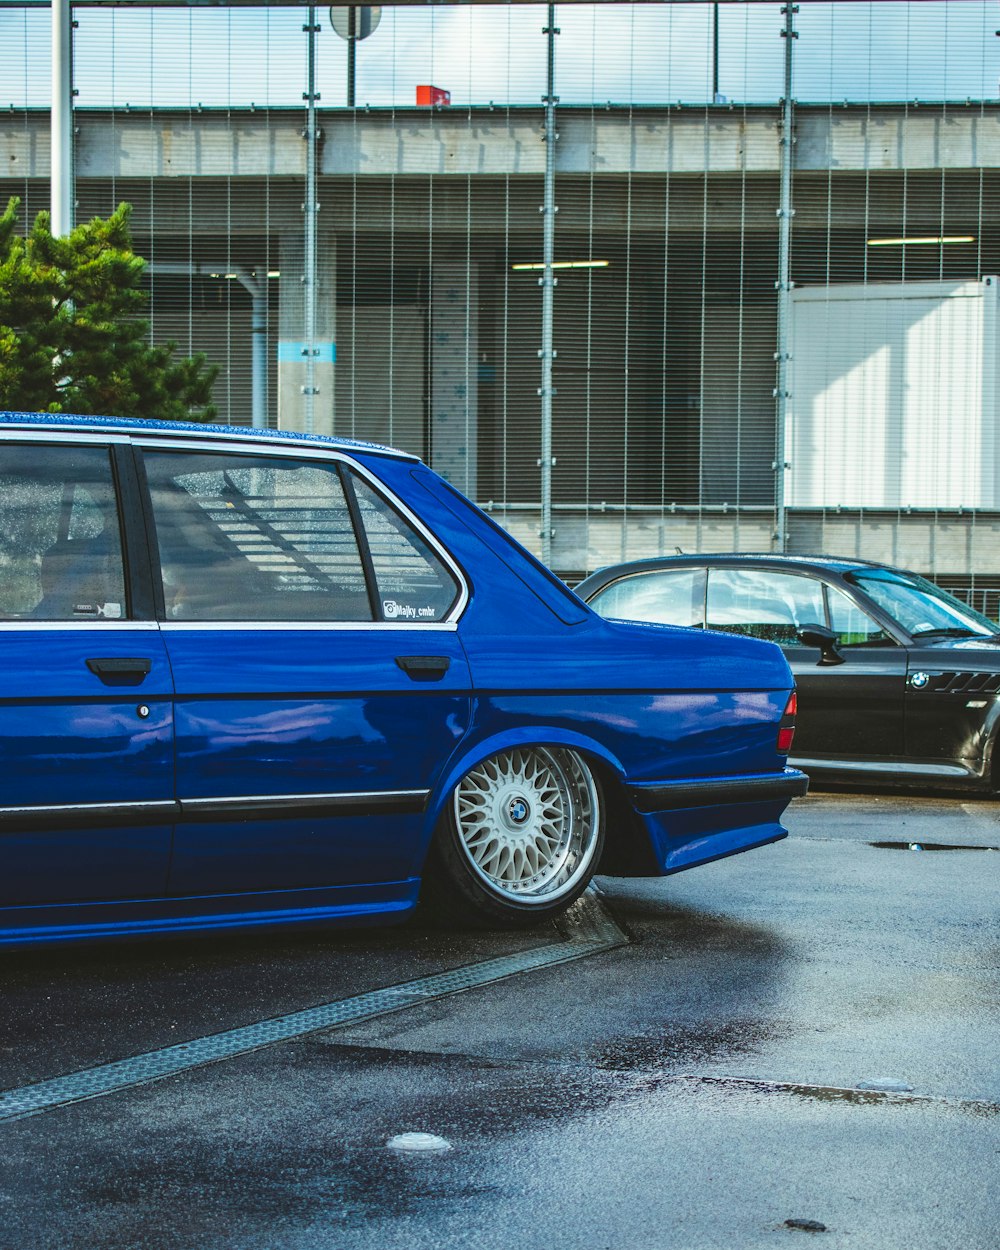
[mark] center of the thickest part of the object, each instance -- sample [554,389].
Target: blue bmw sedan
[255,677]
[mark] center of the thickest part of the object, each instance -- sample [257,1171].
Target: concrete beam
[956,543]
[607,141]
[907,136]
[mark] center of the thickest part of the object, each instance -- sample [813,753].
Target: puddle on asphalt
[853,1096]
[681,1046]
[930,846]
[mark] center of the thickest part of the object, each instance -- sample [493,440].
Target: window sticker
[109,611]
[394,611]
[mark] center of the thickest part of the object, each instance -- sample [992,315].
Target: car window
[60,538]
[763,604]
[255,538]
[413,583]
[670,596]
[852,626]
[923,609]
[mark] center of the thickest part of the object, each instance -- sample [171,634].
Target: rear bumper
[694,822]
[713,791]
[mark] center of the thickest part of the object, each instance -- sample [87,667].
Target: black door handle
[120,670]
[424,667]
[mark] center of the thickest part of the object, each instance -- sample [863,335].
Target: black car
[897,679]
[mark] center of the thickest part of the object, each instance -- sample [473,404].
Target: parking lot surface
[795,1043]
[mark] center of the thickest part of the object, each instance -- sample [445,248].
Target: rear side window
[412,583]
[247,538]
[60,537]
[670,597]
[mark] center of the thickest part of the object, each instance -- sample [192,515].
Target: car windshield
[921,608]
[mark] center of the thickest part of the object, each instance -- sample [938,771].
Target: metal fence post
[784,284]
[311,208]
[62,185]
[547,283]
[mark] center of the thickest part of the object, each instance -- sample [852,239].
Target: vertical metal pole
[256,284]
[311,208]
[352,52]
[784,284]
[548,282]
[715,53]
[61,125]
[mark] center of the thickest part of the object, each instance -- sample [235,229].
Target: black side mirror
[825,639]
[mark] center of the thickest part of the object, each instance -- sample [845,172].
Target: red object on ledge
[427,94]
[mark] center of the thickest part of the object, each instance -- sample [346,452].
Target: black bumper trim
[671,795]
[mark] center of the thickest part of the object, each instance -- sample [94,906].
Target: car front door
[852,708]
[856,705]
[87,785]
[320,679]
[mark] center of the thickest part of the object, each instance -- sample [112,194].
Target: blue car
[254,677]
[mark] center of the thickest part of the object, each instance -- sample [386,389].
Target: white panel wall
[894,396]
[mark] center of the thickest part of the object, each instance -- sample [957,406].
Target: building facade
[672,424]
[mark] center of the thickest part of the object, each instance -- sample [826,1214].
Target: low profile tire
[520,840]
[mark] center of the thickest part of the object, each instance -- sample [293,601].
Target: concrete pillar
[293,348]
[454,340]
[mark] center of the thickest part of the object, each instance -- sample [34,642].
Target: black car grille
[965,683]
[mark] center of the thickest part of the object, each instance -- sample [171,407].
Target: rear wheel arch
[518,829]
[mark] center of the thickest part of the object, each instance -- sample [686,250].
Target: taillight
[786,729]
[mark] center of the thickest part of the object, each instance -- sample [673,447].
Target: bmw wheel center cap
[518,810]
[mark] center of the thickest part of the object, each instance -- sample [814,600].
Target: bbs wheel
[521,839]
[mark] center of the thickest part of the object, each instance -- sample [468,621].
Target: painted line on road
[587,929]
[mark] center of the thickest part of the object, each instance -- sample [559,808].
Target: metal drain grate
[587,930]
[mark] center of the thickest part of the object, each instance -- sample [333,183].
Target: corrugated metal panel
[894,395]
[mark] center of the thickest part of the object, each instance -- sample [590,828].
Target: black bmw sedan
[897,680]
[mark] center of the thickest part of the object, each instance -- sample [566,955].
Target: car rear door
[86,734]
[320,681]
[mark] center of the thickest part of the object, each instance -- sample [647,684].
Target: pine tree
[72,334]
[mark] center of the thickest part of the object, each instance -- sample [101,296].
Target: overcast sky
[646,53]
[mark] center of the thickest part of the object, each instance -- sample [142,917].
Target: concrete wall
[960,544]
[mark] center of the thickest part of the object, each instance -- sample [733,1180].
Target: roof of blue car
[130,425]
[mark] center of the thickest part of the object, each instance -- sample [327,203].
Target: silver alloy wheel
[528,821]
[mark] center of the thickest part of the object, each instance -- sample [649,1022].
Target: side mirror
[819,636]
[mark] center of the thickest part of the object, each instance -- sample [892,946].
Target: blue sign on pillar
[291,351]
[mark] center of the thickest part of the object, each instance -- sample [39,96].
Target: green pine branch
[72,334]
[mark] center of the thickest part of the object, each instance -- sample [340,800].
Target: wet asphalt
[796,1046]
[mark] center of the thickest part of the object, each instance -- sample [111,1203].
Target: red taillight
[786,729]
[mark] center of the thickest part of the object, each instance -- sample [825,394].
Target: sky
[855,50]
